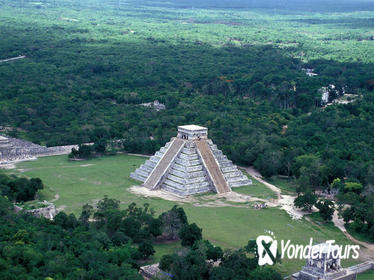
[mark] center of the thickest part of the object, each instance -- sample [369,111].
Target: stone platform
[15,150]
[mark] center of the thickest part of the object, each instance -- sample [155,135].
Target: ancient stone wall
[15,150]
[48,212]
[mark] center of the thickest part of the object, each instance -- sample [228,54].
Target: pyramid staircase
[211,165]
[163,164]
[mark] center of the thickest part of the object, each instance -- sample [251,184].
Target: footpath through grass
[257,189]
[359,236]
[287,185]
[78,183]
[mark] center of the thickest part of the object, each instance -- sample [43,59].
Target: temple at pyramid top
[192,132]
[189,164]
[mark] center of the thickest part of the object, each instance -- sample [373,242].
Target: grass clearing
[287,185]
[78,183]
[165,249]
[367,275]
[257,189]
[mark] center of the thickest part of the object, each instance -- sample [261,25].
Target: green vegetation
[71,248]
[288,185]
[164,249]
[30,205]
[326,209]
[81,182]
[360,213]
[78,183]
[358,235]
[306,201]
[237,67]
[236,71]
[257,189]
[368,275]
[19,189]
[234,264]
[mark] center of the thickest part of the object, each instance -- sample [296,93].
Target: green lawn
[165,249]
[257,189]
[368,275]
[288,186]
[82,182]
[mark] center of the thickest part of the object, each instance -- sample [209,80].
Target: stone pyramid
[189,164]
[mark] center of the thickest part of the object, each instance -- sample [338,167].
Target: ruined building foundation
[327,266]
[189,164]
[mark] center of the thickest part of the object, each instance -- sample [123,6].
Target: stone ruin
[49,211]
[328,267]
[13,150]
[190,164]
[152,271]
[155,105]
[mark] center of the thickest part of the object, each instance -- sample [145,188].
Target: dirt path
[255,174]
[213,200]
[13,58]
[286,202]
[57,197]
[137,155]
[367,253]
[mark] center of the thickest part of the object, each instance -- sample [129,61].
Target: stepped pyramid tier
[189,164]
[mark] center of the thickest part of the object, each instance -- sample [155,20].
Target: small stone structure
[48,212]
[13,150]
[309,72]
[327,267]
[189,164]
[155,105]
[152,271]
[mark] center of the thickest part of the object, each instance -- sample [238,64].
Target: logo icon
[266,249]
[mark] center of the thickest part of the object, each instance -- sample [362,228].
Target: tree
[268,163]
[172,222]
[306,201]
[120,238]
[83,152]
[190,266]
[238,265]
[326,209]
[265,273]
[206,248]
[353,187]
[337,184]
[100,146]
[108,214]
[166,262]
[18,188]
[189,234]
[61,219]
[370,175]
[86,213]
[145,250]
[307,169]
